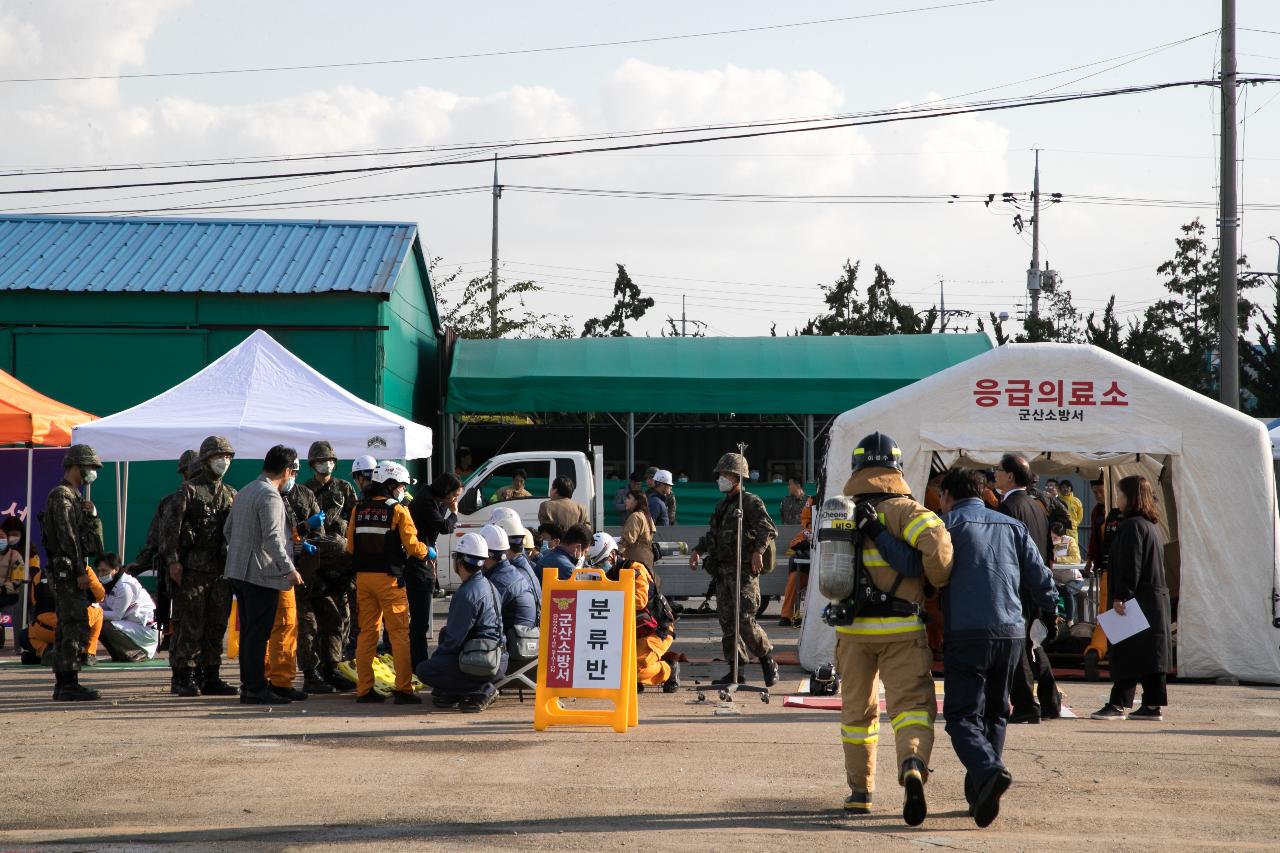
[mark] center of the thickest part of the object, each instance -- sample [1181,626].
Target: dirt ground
[143,770]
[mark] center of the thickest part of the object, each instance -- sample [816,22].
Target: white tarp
[1060,399]
[257,395]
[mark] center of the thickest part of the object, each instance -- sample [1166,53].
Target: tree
[997,329]
[1107,335]
[469,316]
[1178,336]
[630,306]
[881,313]
[1059,321]
[1262,361]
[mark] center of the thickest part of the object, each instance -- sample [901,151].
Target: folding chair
[521,672]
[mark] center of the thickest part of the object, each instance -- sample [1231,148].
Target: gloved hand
[308,548]
[316,521]
[431,552]
[866,520]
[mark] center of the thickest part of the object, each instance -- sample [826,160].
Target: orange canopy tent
[29,417]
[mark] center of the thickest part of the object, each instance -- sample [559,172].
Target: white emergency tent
[257,395]
[1275,443]
[1079,406]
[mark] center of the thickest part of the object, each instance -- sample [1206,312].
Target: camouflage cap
[733,463]
[83,455]
[215,445]
[321,450]
[185,460]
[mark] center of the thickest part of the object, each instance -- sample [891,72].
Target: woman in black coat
[1135,564]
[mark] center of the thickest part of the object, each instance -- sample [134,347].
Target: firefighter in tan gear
[899,548]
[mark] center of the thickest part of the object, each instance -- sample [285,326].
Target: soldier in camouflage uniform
[148,558]
[324,612]
[194,548]
[72,534]
[720,546]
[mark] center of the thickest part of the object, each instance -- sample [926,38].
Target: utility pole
[493,257]
[684,321]
[942,305]
[1033,274]
[1228,251]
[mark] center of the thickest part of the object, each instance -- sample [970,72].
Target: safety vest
[376,544]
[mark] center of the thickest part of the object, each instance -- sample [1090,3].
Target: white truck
[539,469]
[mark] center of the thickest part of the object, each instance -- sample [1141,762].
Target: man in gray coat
[260,565]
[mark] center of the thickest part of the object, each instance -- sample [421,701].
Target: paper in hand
[1119,628]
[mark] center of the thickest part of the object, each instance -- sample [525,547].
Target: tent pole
[631,442]
[124,511]
[119,526]
[26,557]
[808,449]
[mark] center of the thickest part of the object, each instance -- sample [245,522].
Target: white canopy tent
[1078,407]
[258,395]
[1275,443]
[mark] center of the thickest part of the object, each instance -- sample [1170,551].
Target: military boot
[214,685]
[770,668]
[70,690]
[339,681]
[914,808]
[313,682]
[184,683]
[672,684]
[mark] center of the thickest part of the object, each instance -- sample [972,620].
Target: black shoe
[340,682]
[639,687]
[373,697]
[1146,712]
[914,808]
[265,696]
[1032,717]
[1108,712]
[770,668]
[184,683]
[213,684]
[444,701]
[672,684]
[1090,665]
[30,659]
[289,694]
[987,808]
[857,804]
[409,698]
[727,678]
[473,705]
[70,690]
[317,685]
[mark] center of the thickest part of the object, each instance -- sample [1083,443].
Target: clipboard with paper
[1119,628]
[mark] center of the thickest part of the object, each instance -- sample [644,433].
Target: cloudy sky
[741,267]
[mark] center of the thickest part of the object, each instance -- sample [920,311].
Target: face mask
[219,466]
[398,495]
[4,545]
[544,546]
[580,563]
[289,484]
[724,484]
[324,469]
[682,480]
[89,474]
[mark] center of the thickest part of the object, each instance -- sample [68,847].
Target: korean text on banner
[587,649]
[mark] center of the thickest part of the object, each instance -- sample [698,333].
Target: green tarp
[791,375]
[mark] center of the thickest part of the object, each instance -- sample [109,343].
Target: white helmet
[508,520]
[495,539]
[663,477]
[389,471]
[601,547]
[363,465]
[472,550]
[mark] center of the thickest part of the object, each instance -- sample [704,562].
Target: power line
[508,143]
[495,53]
[894,117]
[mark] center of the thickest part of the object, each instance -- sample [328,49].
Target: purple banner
[46,472]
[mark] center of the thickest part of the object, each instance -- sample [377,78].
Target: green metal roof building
[104,313]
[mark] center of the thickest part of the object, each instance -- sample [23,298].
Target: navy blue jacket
[521,562]
[472,614]
[658,509]
[519,605]
[558,558]
[994,558]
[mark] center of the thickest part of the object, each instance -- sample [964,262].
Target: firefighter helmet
[877,451]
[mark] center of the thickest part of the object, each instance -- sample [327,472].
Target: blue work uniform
[473,614]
